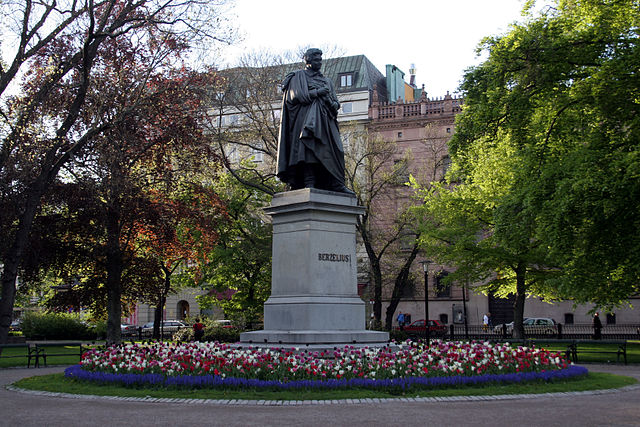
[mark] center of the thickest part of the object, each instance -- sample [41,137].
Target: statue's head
[313,58]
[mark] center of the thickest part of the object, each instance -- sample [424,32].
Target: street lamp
[425,268]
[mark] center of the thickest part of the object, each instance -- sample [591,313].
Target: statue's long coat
[308,127]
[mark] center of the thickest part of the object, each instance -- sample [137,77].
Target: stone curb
[236,402]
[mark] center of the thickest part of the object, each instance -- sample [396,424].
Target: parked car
[168,327]
[533,326]
[128,330]
[223,322]
[16,325]
[417,328]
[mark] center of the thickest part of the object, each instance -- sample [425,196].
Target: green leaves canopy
[545,158]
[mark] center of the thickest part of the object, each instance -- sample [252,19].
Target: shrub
[98,329]
[212,332]
[398,336]
[220,334]
[54,326]
[184,335]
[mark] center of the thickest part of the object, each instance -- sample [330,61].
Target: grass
[633,351]
[58,383]
[17,356]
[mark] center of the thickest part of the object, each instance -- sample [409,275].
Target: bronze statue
[310,152]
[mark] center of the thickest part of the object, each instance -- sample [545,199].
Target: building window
[444,318]
[401,170]
[257,155]
[568,318]
[443,290]
[229,120]
[448,130]
[611,318]
[232,155]
[347,107]
[399,134]
[346,80]
[407,241]
[345,141]
[445,162]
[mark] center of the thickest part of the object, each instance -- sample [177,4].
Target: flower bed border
[216,381]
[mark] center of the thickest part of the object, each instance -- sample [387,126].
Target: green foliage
[398,336]
[220,334]
[212,332]
[546,160]
[184,335]
[237,271]
[58,383]
[55,326]
[99,329]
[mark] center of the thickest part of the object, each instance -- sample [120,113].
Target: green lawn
[58,383]
[633,351]
[17,356]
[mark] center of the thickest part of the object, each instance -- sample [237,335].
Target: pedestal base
[314,292]
[336,337]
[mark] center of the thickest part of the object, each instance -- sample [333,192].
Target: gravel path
[610,408]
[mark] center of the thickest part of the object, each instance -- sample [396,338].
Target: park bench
[40,350]
[30,352]
[581,346]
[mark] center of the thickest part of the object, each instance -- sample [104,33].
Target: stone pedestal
[314,292]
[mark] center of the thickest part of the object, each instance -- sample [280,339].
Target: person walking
[597,327]
[401,320]
[198,330]
[486,321]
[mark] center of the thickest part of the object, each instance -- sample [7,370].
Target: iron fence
[559,331]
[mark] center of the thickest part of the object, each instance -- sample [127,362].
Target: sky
[439,37]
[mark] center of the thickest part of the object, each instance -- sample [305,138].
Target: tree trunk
[518,306]
[13,258]
[114,275]
[399,286]
[157,316]
[9,275]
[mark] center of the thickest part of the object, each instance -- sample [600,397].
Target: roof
[365,75]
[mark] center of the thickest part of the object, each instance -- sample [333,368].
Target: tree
[237,270]
[137,156]
[377,170]
[544,153]
[63,63]
[179,231]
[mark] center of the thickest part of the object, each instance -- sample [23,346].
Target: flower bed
[198,365]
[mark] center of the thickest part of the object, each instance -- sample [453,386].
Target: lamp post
[425,268]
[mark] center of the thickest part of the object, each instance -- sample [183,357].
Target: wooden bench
[579,346]
[30,352]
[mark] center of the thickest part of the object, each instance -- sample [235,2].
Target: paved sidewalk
[611,408]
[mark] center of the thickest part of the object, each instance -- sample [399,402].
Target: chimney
[412,73]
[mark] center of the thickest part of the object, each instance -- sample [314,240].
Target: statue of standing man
[310,152]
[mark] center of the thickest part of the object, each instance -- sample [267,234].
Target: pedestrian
[401,320]
[486,322]
[597,327]
[198,330]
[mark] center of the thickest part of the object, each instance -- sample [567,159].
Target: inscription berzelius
[334,257]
